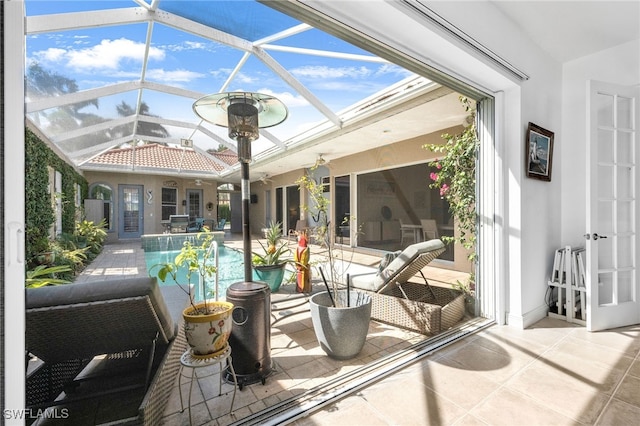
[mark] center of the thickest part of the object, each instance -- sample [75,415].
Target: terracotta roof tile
[165,157]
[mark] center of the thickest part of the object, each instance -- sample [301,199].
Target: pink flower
[438,166]
[433,176]
[444,189]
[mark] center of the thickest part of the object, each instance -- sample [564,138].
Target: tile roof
[157,156]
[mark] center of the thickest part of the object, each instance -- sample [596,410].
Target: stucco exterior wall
[152,209]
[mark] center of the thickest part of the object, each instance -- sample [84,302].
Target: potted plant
[340,316]
[207,324]
[269,265]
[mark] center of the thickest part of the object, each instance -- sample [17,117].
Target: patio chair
[429,229]
[408,231]
[221,223]
[396,300]
[196,226]
[113,343]
[210,224]
[178,223]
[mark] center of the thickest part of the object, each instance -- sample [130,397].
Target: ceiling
[568,30]
[151,60]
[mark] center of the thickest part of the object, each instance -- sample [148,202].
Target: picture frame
[538,152]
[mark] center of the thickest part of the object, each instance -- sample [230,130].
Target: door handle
[595,236]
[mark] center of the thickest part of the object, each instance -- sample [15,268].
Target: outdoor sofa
[105,352]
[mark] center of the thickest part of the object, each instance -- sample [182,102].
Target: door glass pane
[625,252]
[605,288]
[624,146]
[605,182]
[625,182]
[131,210]
[605,146]
[625,286]
[195,205]
[625,112]
[604,104]
[605,217]
[625,217]
[605,253]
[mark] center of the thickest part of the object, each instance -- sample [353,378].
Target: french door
[194,203]
[612,207]
[130,211]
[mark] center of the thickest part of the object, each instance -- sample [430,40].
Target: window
[169,202]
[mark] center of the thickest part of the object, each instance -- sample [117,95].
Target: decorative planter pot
[341,332]
[46,258]
[208,334]
[270,274]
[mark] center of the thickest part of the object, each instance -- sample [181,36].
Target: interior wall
[619,65]
[532,214]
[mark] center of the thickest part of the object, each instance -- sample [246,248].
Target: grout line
[617,386]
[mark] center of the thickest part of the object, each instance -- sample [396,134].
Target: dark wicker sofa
[105,352]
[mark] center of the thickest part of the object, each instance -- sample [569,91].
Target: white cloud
[316,72]
[393,69]
[50,55]
[109,54]
[244,78]
[287,98]
[159,74]
[187,45]
[195,44]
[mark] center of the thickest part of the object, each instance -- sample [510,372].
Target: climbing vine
[39,211]
[455,178]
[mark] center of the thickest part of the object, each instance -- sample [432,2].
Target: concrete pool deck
[551,373]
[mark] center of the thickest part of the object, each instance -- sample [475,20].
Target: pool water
[230,270]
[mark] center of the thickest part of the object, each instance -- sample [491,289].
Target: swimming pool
[230,270]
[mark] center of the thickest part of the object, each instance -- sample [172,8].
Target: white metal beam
[295,84]
[283,34]
[325,53]
[201,30]
[99,92]
[91,19]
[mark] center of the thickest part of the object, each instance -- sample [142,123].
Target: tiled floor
[550,374]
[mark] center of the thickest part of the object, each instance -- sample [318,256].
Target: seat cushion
[376,281]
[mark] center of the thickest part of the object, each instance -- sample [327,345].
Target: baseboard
[528,319]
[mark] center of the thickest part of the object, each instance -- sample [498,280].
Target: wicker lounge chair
[415,306]
[108,351]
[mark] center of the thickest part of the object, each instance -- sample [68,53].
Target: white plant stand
[568,280]
[194,362]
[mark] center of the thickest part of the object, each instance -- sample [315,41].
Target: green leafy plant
[194,261]
[67,253]
[94,234]
[455,178]
[44,275]
[275,250]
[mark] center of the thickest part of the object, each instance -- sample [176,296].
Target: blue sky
[101,56]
